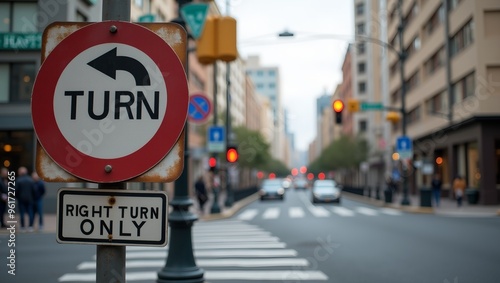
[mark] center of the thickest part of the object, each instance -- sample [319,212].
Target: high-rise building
[267,83]
[452,79]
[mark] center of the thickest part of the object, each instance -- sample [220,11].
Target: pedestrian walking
[38,199]
[436,185]
[25,192]
[201,193]
[4,188]
[459,189]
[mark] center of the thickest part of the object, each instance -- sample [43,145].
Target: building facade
[452,77]
[267,83]
[368,75]
[21,27]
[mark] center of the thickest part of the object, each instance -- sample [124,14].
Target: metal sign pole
[110,260]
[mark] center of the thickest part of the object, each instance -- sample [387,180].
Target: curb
[381,203]
[231,211]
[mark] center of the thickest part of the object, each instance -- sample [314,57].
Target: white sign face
[112,217]
[106,93]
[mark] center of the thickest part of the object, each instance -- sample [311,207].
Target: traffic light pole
[215,204]
[180,264]
[229,193]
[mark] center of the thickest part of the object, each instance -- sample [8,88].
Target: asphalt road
[295,241]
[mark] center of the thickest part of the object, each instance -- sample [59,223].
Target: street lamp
[401,57]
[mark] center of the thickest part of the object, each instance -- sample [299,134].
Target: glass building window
[16,82]
[361,68]
[464,88]
[360,9]
[362,87]
[363,126]
[462,39]
[4,17]
[18,17]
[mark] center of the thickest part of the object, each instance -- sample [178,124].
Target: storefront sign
[20,41]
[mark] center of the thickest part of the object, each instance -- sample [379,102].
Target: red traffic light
[338,105]
[231,154]
[212,162]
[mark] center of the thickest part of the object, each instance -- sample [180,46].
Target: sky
[310,62]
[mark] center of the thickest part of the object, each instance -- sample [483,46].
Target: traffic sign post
[112,217]
[216,139]
[97,79]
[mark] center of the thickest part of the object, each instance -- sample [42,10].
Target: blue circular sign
[199,108]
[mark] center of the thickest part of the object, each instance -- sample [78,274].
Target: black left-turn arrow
[108,63]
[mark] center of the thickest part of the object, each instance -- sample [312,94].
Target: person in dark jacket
[3,195]
[39,193]
[436,185]
[25,193]
[201,193]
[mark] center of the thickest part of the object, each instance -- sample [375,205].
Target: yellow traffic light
[338,105]
[353,105]
[205,45]
[393,117]
[226,39]
[217,41]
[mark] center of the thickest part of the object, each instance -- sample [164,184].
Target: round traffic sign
[110,101]
[199,108]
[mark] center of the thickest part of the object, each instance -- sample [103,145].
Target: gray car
[272,189]
[326,191]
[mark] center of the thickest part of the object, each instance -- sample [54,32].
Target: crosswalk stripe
[235,239]
[342,211]
[248,214]
[319,211]
[366,211]
[391,211]
[252,275]
[296,212]
[258,253]
[214,262]
[243,245]
[271,213]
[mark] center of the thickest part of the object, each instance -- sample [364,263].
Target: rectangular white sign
[112,217]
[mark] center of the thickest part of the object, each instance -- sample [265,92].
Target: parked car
[272,189]
[300,184]
[326,191]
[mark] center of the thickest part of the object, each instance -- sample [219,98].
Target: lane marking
[342,211]
[271,213]
[248,214]
[366,211]
[296,212]
[319,211]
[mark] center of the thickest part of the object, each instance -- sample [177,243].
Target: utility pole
[180,264]
[402,58]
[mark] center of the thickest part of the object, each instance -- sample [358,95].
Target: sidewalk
[448,207]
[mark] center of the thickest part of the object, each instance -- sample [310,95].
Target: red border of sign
[42,103]
[204,119]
